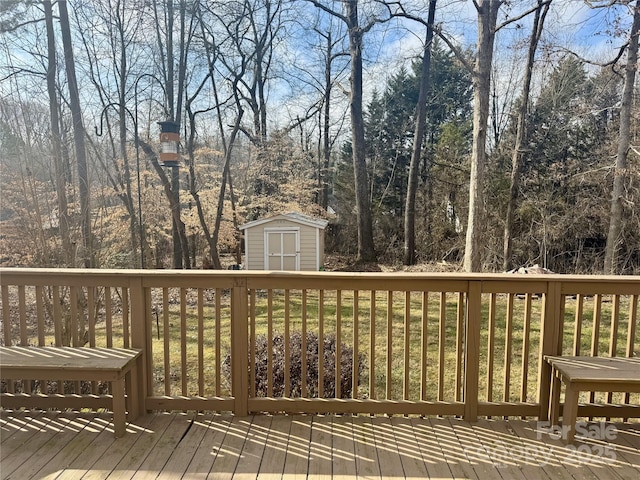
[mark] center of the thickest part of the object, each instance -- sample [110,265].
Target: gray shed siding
[310,239]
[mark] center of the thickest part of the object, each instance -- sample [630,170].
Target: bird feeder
[169,139]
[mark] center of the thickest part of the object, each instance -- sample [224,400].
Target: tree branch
[456,51]
[522,15]
[23,70]
[328,10]
[438,31]
[597,64]
[7,29]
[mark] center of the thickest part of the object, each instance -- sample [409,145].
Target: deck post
[549,343]
[239,346]
[472,351]
[139,339]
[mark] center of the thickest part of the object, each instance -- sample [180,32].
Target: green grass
[185,331]
[396,381]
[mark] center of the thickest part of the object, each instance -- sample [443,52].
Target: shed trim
[246,251]
[291,216]
[317,250]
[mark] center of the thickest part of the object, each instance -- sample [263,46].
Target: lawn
[402,349]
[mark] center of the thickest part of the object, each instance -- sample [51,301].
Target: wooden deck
[189,445]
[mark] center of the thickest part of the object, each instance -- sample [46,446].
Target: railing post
[472,351]
[139,338]
[549,343]
[239,344]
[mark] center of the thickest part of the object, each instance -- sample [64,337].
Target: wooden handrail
[448,333]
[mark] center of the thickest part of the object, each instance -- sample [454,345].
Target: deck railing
[393,343]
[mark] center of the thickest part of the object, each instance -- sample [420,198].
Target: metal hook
[116,106]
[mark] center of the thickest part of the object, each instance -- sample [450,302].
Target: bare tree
[366,248]
[56,143]
[165,17]
[324,157]
[487,11]
[418,137]
[78,136]
[167,187]
[620,173]
[487,19]
[521,130]
[238,62]
[111,53]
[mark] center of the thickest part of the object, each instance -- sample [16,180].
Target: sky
[571,24]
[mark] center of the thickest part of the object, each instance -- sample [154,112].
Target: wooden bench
[587,374]
[79,363]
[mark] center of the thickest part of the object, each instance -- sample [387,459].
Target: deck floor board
[419,449]
[342,453]
[367,460]
[254,447]
[320,465]
[205,455]
[157,458]
[180,458]
[272,466]
[389,458]
[124,460]
[453,454]
[91,453]
[296,464]
[556,459]
[23,427]
[230,451]
[189,445]
[70,446]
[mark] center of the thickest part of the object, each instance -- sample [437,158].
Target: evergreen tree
[390,126]
[561,210]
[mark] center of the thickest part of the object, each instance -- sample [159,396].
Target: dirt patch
[345,263]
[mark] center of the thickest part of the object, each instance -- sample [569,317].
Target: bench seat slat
[52,358]
[78,363]
[597,369]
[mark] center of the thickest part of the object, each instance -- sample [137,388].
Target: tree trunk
[78,137]
[174,205]
[521,133]
[56,139]
[169,61]
[421,117]
[326,139]
[181,258]
[122,118]
[193,189]
[366,251]
[226,177]
[620,174]
[487,17]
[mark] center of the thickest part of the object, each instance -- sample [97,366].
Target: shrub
[295,366]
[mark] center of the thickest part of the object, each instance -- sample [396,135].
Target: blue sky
[571,24]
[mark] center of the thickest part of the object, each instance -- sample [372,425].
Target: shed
[290,241]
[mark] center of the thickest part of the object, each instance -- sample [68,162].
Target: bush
[295,366]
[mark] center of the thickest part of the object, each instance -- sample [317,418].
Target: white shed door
[282,249]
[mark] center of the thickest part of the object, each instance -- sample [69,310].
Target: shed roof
[291,216]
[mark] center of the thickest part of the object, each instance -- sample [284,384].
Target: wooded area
[482,133]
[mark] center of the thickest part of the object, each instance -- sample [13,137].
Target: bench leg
[132,389]
[554,398]
[119,414]
[570,412]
